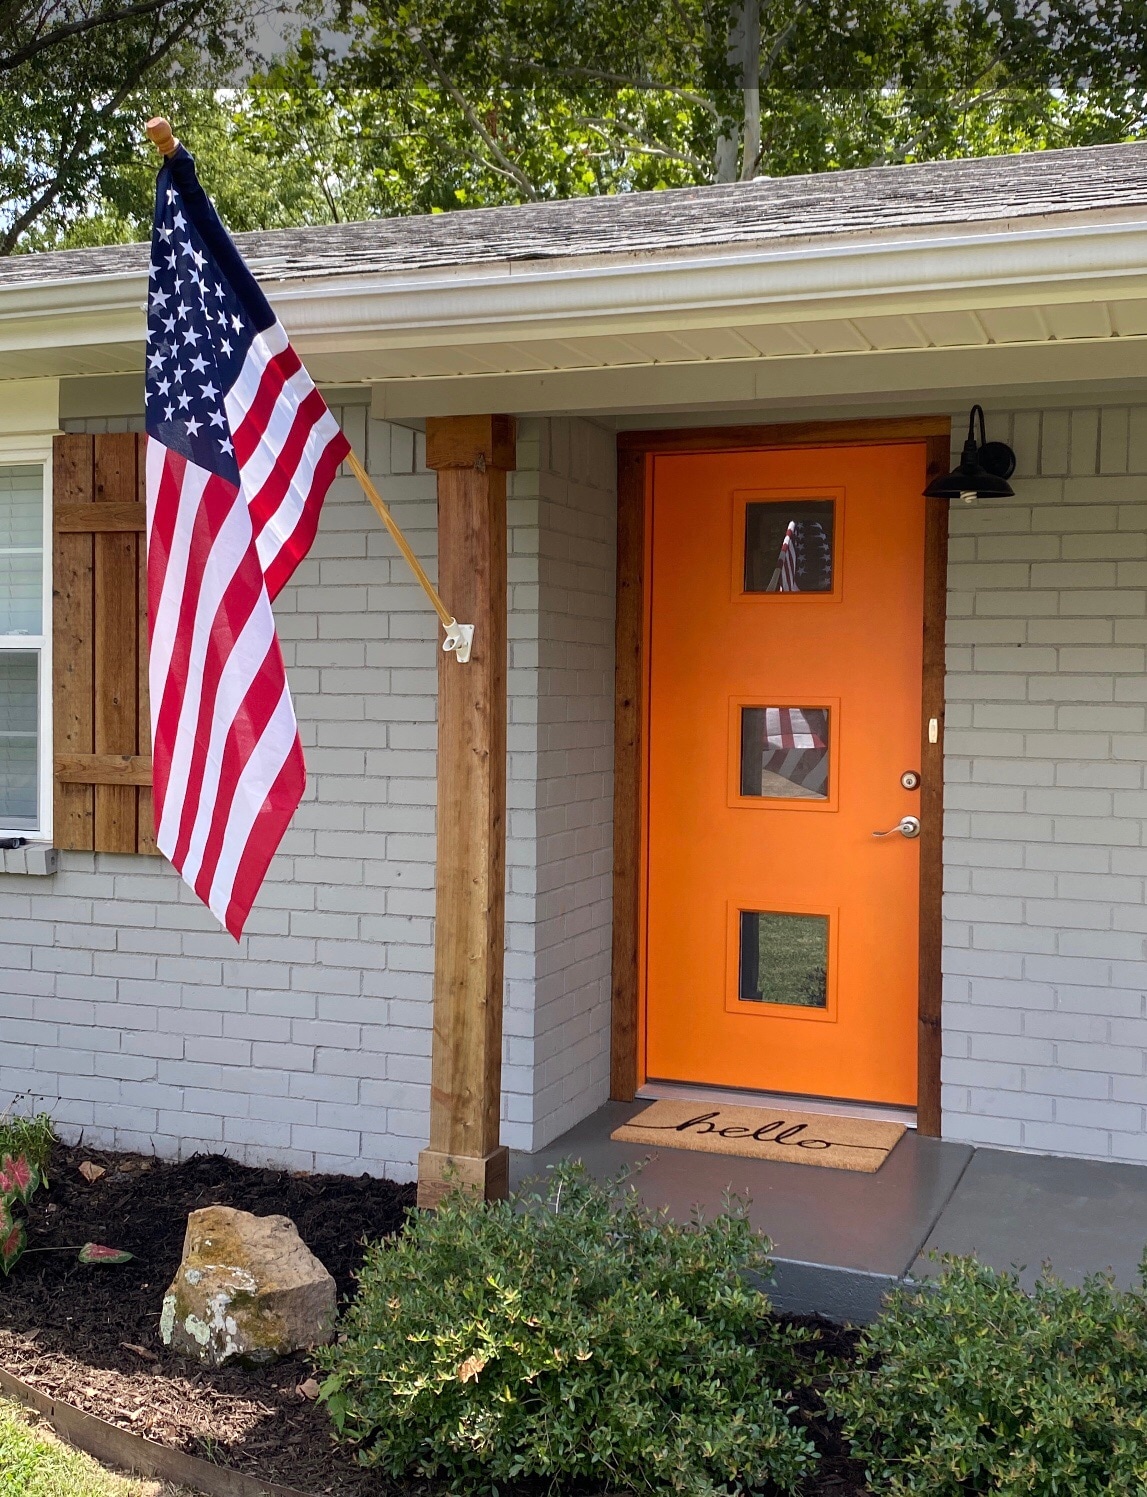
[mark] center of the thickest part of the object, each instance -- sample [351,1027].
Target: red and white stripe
[787,561]
[228,767]
[288,447]
[789,728]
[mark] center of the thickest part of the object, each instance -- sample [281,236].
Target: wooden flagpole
[459,637]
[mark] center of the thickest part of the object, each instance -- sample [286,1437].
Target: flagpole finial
[158,131]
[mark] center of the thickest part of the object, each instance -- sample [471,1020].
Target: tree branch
[508,165]
[597,75]
[899,154]
[610,129]
[57,34]
[781,41]
[321,176]
[84,137]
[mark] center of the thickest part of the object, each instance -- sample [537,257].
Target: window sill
[36,858]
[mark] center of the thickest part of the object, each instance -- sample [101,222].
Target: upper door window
[790,546]
[24,604]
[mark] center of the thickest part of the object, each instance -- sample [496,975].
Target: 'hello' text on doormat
[764,1133]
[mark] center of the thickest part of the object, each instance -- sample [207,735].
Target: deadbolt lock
[910,780]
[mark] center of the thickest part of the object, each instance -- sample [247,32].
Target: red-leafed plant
[95,1252]
[19,1181]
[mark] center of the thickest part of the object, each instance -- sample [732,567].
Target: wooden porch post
[472,455]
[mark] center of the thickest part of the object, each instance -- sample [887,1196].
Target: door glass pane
[789,546]
[19,756]
[21,548]
[784,959]
[784,752]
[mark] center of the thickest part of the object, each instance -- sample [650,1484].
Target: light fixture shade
[969,478]
[983,470]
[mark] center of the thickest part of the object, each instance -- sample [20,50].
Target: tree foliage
[542,98]
[70,74]
[401,106]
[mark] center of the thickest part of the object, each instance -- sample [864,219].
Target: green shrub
[971,1385]
[571,1336]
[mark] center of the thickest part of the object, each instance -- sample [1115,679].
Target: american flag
[790,728]
[787,562]
[241,451]
[796,746]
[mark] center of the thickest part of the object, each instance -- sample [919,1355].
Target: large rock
[248,1290]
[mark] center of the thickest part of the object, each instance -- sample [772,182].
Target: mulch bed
[90,1336]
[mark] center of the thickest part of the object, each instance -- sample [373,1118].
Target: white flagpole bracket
[459,640]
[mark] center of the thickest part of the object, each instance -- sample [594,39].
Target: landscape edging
[120,1447]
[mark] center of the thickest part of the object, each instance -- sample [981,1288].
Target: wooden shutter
[102,719]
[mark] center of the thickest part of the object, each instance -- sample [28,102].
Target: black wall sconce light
[983,471]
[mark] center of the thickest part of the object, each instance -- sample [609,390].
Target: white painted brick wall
[563,509]
[134,1018]
[131,1016]
[1045,1014]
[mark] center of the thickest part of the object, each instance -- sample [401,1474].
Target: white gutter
[762,284]
[1062,258]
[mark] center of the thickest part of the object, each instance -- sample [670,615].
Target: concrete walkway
[842,1240]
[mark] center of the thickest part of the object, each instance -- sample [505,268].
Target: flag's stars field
[197,340]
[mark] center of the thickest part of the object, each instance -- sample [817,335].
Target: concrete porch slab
[840,1239]
[1021,1210]
[843,1240]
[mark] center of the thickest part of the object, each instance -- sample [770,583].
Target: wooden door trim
[633,472]
[635,449]
[787,434]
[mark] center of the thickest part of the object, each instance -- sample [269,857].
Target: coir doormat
[764,1133]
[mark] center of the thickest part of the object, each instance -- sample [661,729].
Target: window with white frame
[25,644]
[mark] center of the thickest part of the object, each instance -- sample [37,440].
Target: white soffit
[931,375]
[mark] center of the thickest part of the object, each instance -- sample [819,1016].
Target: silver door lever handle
[907,826]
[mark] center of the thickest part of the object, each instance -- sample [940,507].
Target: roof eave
[1063,257]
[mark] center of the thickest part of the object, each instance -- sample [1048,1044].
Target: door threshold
[826,1106]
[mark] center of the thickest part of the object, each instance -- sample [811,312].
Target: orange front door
[784,731]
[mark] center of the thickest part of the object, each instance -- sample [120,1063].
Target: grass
[792,952]
[33,1137]
[33,1463]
